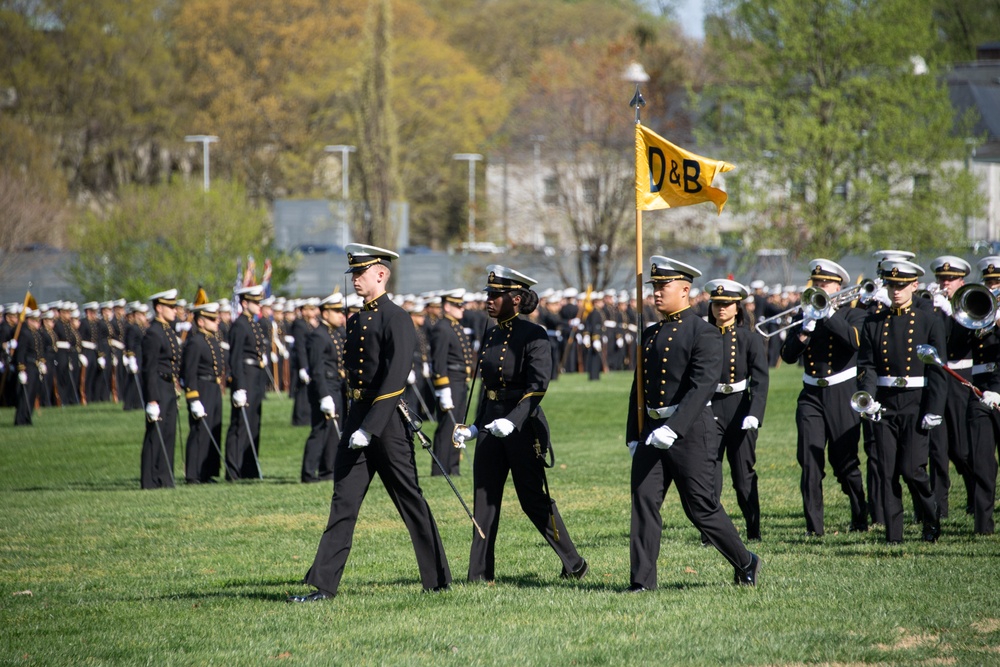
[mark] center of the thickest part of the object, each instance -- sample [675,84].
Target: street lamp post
[472,158]
[204,140]
[345,190]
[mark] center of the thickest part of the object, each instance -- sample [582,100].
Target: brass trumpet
[814,303]
[864,404]
[974,306]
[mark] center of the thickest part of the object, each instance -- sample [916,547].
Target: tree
[96,77]
[841,135]
[163,237]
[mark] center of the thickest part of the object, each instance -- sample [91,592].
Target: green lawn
[198,575]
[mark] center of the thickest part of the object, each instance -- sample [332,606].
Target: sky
[691,14]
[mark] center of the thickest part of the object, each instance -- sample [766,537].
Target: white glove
[463,433]
[874,411]
[597,344]
[632,446]
[620,342]
[444,398]
[359,439]
[586,340]
[274,357]
[184,326]
[426,370]
[114,361]
[42,368]
[12,345]
[991,398]
[284,353]
[327,407]
[943,303]
[152,412]
[83,360]
[133,365]
[662,437]
[102,362]
[196,409]
[750,423]
[575,322]
[930,421]
[304,376]
[826,313]
[808,324]
[411,378]
[240,398]
[500,428]
[882,296]
[22,377]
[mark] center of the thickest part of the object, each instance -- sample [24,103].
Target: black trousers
[740,448]
[873,478]
[66,377]
[391,457]
[692,463]
[321,445]
[495,459]
[26,394]
[823,416]
[130,393]
[984,439]
[202,458]
[299,392]
[950,441]
[901,448]
[157,463]
[243,444]
[444,449]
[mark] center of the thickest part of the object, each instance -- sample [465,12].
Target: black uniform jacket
[888,348]
[831,348]
[378,356]
[682,364]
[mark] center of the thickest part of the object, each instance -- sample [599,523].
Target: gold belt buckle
[822,382]
[899,382]
[355,394]
[727,389]
[491,394]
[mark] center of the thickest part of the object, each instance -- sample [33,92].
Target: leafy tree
[163,237]
[842,143]
[963,25]
[95,76]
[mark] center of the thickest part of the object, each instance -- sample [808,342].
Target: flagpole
[637,75]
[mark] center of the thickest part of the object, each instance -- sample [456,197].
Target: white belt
[960,364]
[842,376]
[115,343]
[731,388]
[984,368]
[610,324]
[665,413]
[87,344]
[899,382]
[62,344]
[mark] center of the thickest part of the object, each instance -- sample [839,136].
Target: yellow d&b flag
[667,176]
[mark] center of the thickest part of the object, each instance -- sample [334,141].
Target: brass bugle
[863,403]
[974,306]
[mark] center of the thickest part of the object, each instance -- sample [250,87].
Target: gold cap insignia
[719,290]
[493,276]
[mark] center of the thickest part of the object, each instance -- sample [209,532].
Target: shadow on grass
[133,484]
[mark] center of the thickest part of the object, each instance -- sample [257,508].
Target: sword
[163,447]
[253,449]
[218,449]
[426,443]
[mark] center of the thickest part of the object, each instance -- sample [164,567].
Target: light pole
[472,159]
[345,190]
[204,140]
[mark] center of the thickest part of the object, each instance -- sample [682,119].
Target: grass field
[94,571]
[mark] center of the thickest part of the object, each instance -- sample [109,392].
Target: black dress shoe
[748,575]
[635,588]
[438,589]
[858,527]
[578,573]
[932,531]
[315,596]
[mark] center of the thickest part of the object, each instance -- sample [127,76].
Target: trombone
[814,303]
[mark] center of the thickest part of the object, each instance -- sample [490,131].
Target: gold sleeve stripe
[857,338]
[532,393]
[384,396]
[441,381]
[190,394]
